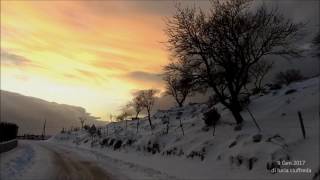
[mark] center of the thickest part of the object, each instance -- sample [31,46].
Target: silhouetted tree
[125,113]
[220,47]
[179,85]
[148,100]
[137,105]
[82,120]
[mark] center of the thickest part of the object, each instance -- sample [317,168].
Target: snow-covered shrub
[104,142]
[232,144]
[200,154]
[316,175]
[290,91]
[274,86]
[242,160]
[173,151]
[111,142]
[213,100]
[92,130]
[257,138]
[211,117]
[244,100]
[129,142]
[86,127]
[117,145]
[289,76]
[260,91]
[153,147]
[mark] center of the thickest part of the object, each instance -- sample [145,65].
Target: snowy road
[40,160]
[69,165]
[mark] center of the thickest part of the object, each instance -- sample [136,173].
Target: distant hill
[29,114]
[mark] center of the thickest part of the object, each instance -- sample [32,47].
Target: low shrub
[244,100]
[211,117]
[86,127]
[290,91]
[213,100]
[289,76]
[153,147]
[111,142]
[92,130]
[104,142]
[8,131]
[117,145]
[275,86]
[201,154]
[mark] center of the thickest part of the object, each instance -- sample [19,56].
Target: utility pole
[44,129]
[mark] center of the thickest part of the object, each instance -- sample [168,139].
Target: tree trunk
[214,128]
[181,126]
[149,118]
[137,125]
[236,114]
[235,109]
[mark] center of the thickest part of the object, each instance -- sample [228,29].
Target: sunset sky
[92,54]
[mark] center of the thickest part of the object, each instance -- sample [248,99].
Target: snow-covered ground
[229,154]
[27,161]
[40,160]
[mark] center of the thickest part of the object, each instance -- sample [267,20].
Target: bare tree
[82,120]
[148,100]
[137,105]
[220,47]
[179,85]
[125,113]
[258,72]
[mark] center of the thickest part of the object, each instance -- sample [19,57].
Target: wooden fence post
[254,120]
[302,125]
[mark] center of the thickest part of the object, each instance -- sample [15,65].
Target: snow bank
[197,154]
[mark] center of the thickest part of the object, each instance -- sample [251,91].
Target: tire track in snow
[69,166]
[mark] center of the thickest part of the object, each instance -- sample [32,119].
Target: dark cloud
[13,59]
[145,76]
